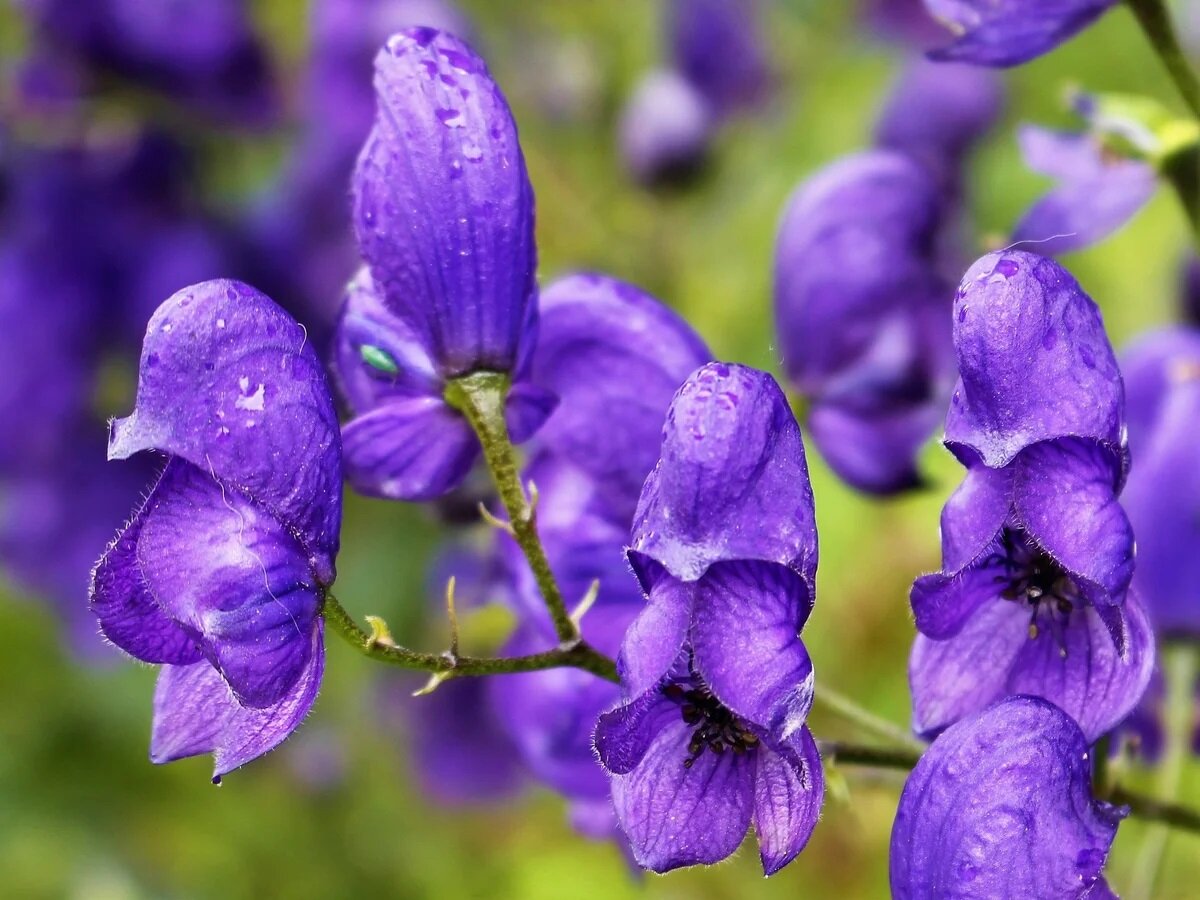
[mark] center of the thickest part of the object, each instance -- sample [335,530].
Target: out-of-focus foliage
[336,811]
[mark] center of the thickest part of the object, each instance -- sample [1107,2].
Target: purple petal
[412,449]
[443,208]
[665,130]
[1151,366]
[233,578]
[194,713]
[527,409]
[717,45]
[1001,806]
[875,453]
[732,481]
[1095,196]
[229,382]
[974,514]
[1034,361]
[988,33]
[1064,498]
[745,636]
[604,346]
[624,735]
[655,638]
[789,788]
[941,604]
[1069,660]
[677,816]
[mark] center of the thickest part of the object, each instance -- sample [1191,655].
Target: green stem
[845,708]
[850,754]
[1179,664]
[578,654]
[481,396]
[1152,15]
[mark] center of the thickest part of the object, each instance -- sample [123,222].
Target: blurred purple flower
[1096,194]
[1037,554]
[221,574]
[1002,805]
[1010,32]
[902,20]
[711,735]
[862,314]
[718,48]
[665,129]
[200,52]
[1162,378]
[443,212]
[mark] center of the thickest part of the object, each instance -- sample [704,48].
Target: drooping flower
[1037,554]
[717,684]
[214,62]
[862,314]
[665,130]
[1010,32]
[221,575]
[1162,377]
[1096,193]
[1002,805]
[443,213]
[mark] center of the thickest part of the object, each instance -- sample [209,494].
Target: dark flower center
[716,728]
[1031,576]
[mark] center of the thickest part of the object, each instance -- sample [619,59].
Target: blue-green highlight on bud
[379,359]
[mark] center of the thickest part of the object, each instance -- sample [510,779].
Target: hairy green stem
[1179,666]
[1152,15]
[844,708]
[481,397]
[577,655]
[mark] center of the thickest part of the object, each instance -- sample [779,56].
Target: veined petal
[194,713]
[234,578]
[975,513]
[942,603]
[1034,361]
[409,449]
[656,637]
[1001,806]
[229,382]
[624,735]
[443,208]
[789,788]
[1065,498]
[732,481]
[746,639]
[988,33]
[679,816]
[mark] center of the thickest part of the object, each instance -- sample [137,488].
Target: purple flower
[214,62]
[1037,554]
[665,129]
[936,113]
[711,735]
[902,20]
[1001,806]
[1010,32]
[443,212]
[717,47]
[862,314]
[221,574]
[1162,377]
[1096,193]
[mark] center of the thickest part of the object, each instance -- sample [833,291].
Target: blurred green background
[83,813]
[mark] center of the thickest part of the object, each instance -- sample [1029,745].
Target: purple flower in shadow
[1010,32]
[443,214]
[711,735]
[1001,806]
[221,574]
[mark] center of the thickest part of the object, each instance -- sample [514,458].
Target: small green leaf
[1137,126]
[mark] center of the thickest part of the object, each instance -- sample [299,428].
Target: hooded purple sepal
[1162,376]
[1010,32]
[1034,363]
[195,714]
[860,309]
[1001,806]
[406,442]
[614,356]
[221,574]
[443,208]
[731,482]
[1095,195]
[717,45]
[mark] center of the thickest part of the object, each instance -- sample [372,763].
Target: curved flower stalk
[717,67]
[711,735]
[443,214]
[1162,377]
[221,575]
[1033,596]
[1010,32]
[1097,192]
[1001,806]
[861,313]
